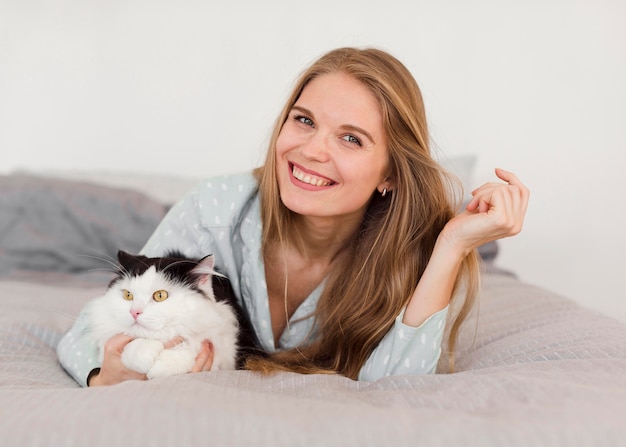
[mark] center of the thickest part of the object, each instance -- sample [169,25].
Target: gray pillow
[49,224]
[488,251]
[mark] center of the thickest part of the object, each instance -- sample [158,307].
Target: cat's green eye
[127,295]
[160,295]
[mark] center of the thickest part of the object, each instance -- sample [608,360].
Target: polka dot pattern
[78,354]
[407,350]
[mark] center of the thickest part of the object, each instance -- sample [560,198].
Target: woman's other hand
[113,370]
[204,359]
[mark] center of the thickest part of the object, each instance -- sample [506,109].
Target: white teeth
[306,178]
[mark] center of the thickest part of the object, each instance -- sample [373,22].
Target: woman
[345,247]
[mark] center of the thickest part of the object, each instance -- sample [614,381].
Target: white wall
[192,88]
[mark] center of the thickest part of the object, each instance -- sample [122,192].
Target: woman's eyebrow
[348,127]
[303,110]
[352,128]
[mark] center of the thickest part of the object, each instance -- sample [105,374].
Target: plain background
[192,88]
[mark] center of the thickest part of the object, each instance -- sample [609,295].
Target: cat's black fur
[247,340]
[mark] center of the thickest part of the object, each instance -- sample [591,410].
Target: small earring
[384,193]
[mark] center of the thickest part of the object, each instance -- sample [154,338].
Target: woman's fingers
[483,197]
[507,176]
[113,370]
[496,210]
[204,359]
[115,345]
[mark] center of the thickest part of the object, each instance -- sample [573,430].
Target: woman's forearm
[434,289]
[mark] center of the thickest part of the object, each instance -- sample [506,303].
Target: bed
[533,368]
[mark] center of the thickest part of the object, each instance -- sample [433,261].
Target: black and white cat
[156,300]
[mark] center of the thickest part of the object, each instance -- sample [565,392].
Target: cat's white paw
[172,361]
[141,353]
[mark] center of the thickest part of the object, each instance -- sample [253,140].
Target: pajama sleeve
[407,350]
[77,353]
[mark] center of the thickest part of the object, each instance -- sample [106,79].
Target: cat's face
[158,297]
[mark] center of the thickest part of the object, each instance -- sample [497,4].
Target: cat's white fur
[185,313]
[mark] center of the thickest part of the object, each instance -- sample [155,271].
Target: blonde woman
[345,247]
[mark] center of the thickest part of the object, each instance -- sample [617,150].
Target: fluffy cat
[156,300]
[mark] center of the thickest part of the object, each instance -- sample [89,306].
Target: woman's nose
[316,148]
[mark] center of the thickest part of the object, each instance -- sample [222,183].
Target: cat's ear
[126,260]
[124,257]
[131,263]
[204,270]
[207,262]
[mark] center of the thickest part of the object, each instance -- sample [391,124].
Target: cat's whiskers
[117,268]
[67,315]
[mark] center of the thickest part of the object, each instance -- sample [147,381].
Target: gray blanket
[533,369]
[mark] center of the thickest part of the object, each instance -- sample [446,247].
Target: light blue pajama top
[221,216]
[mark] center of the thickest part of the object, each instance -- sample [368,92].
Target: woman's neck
[320,238]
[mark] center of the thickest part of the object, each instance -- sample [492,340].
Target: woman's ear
[386,186]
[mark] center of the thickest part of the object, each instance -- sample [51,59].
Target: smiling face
[331,153]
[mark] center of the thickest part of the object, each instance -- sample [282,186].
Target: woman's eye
[352,139]
[127,295]
[160,295]
[304,120]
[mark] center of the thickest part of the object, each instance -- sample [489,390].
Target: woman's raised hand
[495,211]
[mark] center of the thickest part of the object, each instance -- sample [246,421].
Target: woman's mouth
[308,178]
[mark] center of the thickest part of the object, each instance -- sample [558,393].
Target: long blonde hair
[376,273]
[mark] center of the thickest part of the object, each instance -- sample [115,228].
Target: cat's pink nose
[135,313]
